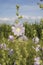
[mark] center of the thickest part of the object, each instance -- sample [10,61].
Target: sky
[28,8]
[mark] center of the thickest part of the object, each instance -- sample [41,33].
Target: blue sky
[27,7]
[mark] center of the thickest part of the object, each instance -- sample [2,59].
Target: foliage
[30,30]
[18,51]
[23,52]
[33,30]
[5,30]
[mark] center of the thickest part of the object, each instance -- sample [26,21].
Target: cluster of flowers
[3,46]
[19,31]
[37,61]
[37,49]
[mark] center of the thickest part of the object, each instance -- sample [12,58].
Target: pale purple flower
[18,29]
[11,37]
[37,61]
[37,48]
[0,64]
[35,40]
[11,51]
[23,37]
[36,58]
[3,45]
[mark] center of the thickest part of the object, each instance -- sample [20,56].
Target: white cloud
[27,17]
[11,20]
[24,16]
[39,17]
[7,19]
[32,17]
